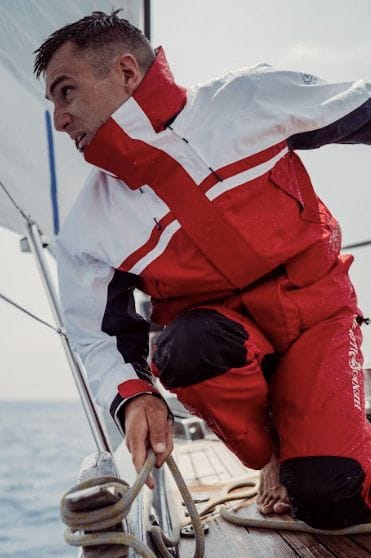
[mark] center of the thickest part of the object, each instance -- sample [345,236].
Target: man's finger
[159,447]
[150,482]
[158,433]
[162,457]
[161,440]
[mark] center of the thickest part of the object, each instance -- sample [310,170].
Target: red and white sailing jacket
[194,196]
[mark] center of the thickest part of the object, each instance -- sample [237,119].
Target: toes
[260,499]
[266,507]
[267,500]
[261,509]
[281,507]
[266,510]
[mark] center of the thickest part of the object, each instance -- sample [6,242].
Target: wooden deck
[206,467]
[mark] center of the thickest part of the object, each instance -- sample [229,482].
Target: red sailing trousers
[315,395]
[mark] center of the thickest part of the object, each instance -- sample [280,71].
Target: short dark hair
[100,34]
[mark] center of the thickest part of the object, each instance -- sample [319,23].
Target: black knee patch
[325,492]
[199,344]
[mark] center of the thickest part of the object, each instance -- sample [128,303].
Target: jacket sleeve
[316,113]
[104,329]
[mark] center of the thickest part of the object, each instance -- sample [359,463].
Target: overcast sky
[202,39]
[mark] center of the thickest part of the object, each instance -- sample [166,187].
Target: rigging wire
[28,219]
[58,330]
[12,200]
[356,245]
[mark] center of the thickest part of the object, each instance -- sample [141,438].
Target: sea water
[42,445]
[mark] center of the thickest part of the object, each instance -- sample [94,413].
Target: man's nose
[61,120]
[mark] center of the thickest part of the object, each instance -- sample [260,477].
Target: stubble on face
[83,97]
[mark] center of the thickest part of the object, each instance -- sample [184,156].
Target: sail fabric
[41,169]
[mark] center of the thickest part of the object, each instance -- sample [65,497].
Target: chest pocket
[290,175]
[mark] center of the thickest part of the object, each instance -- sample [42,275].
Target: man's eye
[65,91]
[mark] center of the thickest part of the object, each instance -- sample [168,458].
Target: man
[198,199]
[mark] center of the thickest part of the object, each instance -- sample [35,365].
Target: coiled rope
[108,517]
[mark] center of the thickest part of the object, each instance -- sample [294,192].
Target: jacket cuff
[127,391]
[134,387]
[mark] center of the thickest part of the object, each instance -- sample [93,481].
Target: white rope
[97,521]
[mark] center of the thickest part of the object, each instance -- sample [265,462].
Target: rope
[227,495]
[112,515]
[58,330]
[190,505]
[284,525]
[278,524]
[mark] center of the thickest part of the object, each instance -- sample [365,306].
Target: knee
[325,492]
[198,345]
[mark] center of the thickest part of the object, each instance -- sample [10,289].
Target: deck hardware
[191,428]
[189,532]
[153,519]
[199,497]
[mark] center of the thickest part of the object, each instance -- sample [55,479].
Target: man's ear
[129,72]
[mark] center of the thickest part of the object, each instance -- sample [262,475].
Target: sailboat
[35,199]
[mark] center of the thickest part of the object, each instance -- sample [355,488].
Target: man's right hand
[147,425]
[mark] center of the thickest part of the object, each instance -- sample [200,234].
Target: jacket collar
[158,95]
[155,102]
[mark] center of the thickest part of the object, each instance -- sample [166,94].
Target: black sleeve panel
[123,322]
[354,127]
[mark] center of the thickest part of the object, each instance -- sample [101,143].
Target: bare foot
[272,496]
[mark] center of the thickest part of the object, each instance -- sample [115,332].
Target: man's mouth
[78,141]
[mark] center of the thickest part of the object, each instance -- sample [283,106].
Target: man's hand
[147,425]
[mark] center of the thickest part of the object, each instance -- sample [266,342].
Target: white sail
[41,169]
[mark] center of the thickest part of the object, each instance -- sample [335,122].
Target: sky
[204,39]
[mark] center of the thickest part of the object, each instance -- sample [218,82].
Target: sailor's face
[84,100]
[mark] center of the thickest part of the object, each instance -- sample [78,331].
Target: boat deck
[207,466]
